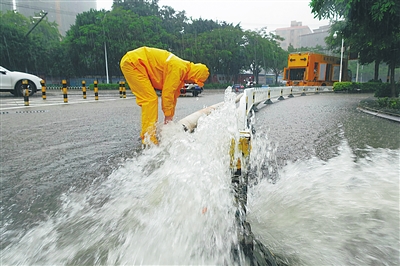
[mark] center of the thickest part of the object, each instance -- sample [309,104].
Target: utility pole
[37,23]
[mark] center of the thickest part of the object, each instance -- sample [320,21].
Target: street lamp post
[341,57]
[105,50]
[105,55]
[341,61]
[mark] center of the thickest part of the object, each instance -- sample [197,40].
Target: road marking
[35,103]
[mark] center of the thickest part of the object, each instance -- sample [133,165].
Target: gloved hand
[168,119]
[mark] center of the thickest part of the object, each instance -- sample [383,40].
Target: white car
[11,81]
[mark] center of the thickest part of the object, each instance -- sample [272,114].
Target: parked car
[194,89]
[11,81]
[237,88]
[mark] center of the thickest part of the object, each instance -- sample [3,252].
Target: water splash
[336,212]
[172,204]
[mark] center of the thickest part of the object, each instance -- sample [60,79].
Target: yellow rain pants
[148,68]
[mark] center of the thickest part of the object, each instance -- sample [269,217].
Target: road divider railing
[65,89]
[252,97]
[246,105]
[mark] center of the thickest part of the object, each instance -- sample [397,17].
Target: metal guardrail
[240,150]
[254,96]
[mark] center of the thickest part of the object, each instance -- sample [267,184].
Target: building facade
[291,34]
[63,12]
[299,36]
[316,38]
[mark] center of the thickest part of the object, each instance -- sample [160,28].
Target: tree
[27,52]
[120,30]
[220,49]
[143,8]
[263,53]
[370,27]
[279,56]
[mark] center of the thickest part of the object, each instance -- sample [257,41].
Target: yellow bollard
[268,101]
[43,89]
[123,90]
[84,89]
[291,93]
[281,97]
[26,92]
[239,177]
[65,90]
[120,89]
[96,91]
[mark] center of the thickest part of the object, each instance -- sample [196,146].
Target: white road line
[34,104]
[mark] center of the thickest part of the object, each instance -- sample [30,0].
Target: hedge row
[378,88]
[391,103]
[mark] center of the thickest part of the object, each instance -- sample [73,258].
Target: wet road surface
[50,148]
[54,148]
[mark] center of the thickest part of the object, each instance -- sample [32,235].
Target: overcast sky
[251,14]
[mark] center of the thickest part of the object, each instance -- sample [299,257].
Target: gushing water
[171,204]
[344,211]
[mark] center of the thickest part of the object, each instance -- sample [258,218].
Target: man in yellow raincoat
[146,69]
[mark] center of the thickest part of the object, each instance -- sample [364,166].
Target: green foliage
[22,51]
[99,36]
[387,102]
[105,86]
[370,28]
[380,89]
[384,90]
[343,86]
[210,86]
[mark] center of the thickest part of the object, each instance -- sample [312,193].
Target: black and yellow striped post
[43,83]
[268,101]
[65,90]
[123,90]
[96,91]
[120,89]
[304,92]
[255,109]
[26,92]
[84,89]
[317,90]
[291,93]
[240,154]
[281,97]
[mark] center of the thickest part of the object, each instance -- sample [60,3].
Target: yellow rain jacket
[148,68]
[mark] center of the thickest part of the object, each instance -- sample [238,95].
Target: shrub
[216,85]
[391,103]
[385,90]
[346,86]
[380,89]
[105,86]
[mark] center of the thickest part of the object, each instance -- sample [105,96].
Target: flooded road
[335,173]
[77,188]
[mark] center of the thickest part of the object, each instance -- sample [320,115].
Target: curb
[377,113]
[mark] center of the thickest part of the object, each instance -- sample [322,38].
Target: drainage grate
[28,112]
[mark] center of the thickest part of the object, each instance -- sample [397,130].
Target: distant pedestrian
[146,69]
